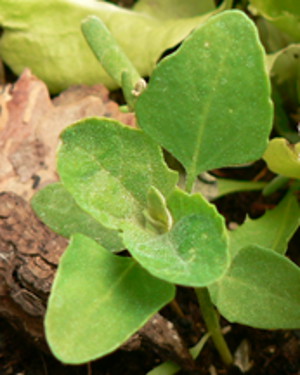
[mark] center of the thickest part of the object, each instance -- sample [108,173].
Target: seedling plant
[208,105]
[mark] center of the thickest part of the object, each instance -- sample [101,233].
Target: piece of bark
[30,125]
[29,255]
[160,335]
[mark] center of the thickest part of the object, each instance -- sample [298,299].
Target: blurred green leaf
[284,14]
[46,37]
[283,157]
[174,9]
[285,64]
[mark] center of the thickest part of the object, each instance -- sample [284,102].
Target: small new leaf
[193,253]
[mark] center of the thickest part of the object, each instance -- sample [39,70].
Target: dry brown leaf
[30,124]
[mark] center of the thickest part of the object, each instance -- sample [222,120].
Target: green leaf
[46,37]
[98,301]
[283,14]
[109,168]
[284,64]
[56,207]
[272,38]
[157,213]
[171,9]
[261,289]
[273,230]
[218,119]
[193,253]
[283,158]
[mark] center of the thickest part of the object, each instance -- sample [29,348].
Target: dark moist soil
[272,353]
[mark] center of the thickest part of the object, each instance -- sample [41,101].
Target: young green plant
[202,106]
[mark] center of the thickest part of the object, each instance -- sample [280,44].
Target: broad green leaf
[46,37]
[273,230]
[98,300]
[284,14]
[261,289]
[201,103]
[56,207]
[193,253]
[283,158]
[109,168]
[170,9]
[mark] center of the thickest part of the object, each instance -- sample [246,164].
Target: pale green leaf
[56,207]
[109,168]
[272,38]
[98,300]
[285,64]
[284,14]
[46,37]
[273,230]
[193,253]
[283,158]
[261,289]
[157,213]
[170,9]
[217,119]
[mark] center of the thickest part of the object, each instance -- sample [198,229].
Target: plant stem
[212,322]
[189,183]
[277,183]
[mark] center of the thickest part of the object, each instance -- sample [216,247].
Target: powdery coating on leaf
[30,124]
[109,168]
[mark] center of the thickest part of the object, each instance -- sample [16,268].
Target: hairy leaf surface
[109,168]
